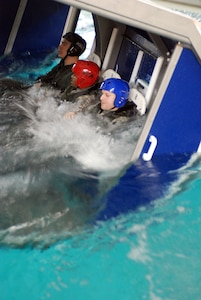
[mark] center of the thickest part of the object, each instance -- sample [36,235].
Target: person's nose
[101,97]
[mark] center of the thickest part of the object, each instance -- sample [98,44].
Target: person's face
[73,80]
[107,100]
[63,48]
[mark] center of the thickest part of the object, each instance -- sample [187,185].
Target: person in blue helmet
[114,104]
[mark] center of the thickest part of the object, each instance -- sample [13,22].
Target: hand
[69,115]
[37,85]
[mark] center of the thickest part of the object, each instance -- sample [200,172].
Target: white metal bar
[70,19]
[109,49]
[136,68]
[142,14]
[154,77]
[15,27]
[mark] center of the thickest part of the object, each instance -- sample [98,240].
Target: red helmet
[87,73]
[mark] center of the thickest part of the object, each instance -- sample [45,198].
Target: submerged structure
[155,46]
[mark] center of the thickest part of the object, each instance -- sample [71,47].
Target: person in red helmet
[83,87]
[85,74]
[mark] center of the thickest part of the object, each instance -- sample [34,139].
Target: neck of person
[114,108]
[70,60]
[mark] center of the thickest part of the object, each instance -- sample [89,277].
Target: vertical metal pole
[136,68]
[154,77]
[71,19]
[109,48]
[15,27]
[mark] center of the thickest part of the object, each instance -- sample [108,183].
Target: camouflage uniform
[88,102]
[83,97]
[122,115]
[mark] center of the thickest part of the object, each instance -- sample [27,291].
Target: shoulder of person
[128,109]
[65,94]
[85,97]
[94,107]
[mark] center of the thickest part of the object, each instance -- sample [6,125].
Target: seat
[110,74]
[139,100]
[95,58]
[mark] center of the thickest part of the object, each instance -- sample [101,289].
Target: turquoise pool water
[153,253]
[150,253]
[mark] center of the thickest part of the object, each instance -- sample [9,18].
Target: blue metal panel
[142,183]
[41,27]
[126,59]
[177,125]
[146,67]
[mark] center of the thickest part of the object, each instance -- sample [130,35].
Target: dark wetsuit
[59,77]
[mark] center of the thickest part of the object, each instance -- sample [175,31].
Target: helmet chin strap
[67,54]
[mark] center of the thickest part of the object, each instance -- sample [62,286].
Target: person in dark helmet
[69,50]
[114,104]
[83,89]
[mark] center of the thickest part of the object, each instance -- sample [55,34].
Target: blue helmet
[119,87]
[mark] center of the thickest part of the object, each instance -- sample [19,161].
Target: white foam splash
[139,252]
[185,174]
[80,137]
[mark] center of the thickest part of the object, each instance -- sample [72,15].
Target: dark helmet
[119,87]
[87,73]
[78,44]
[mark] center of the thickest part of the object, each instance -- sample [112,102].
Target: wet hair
[78,44]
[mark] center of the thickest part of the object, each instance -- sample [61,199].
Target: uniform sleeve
[84,102]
